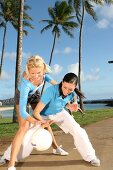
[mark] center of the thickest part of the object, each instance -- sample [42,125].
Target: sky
[97,50]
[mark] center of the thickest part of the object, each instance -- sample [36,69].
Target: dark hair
[72,78]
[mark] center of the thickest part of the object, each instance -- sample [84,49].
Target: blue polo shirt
[26,88]
[53,101]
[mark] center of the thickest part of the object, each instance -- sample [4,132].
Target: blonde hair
[37,61]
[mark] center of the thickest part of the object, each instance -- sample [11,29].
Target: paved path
[101,136]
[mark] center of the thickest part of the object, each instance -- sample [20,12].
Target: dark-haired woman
[51,106]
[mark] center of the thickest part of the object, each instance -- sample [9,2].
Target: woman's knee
[24,127]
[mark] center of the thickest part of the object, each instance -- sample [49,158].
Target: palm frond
[70,2]
[51,13]
[46,28]
[27,17]
[2,24]
[25,33]
[98,2]
[47,21]
[109,1]
[9,11]
[66,19]
[67,32]
[27,24]
[57,31]
[76,4]
[90,10]
[26,7]
[70,25]
[61,15]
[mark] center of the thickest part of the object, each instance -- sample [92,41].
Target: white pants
[67,123]
[26,147]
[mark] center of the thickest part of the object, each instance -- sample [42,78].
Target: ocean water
[9,113]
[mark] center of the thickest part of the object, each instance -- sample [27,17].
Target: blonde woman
[28,92]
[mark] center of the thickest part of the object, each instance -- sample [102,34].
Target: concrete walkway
[101,136]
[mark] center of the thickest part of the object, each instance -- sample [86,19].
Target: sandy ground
[101,136]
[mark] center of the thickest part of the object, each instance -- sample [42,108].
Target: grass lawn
[8,129]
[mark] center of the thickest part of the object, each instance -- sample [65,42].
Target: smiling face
[67,88]
[35,68]
[36,73]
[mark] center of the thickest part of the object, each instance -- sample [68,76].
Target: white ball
[41,139]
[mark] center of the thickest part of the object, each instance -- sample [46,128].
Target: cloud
[56,69]
[103,23]
[12,55]
[66,51]
[73,68]
[5,76]
[94,73]
[105,13]
[56,52]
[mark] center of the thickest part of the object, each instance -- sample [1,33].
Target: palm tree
[19,51]
[61,18]
[15,12]
[80,6]
[21,23]
[9,12]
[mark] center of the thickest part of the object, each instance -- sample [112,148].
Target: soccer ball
[41,139]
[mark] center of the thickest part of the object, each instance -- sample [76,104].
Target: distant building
[7,101]
[0,103]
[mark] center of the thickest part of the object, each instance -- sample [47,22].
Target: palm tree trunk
[50,59]
[3,47]
[52,50]
[80,55]
[19,51]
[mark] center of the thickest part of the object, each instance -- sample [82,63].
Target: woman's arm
[24,91]
[53,82]
[38,109]
[49,79]
[32,120]
[72,105]
[37,115]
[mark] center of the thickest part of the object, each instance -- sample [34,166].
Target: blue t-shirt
[53,101]
[26,88]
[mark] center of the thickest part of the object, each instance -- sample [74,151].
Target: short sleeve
[48,78]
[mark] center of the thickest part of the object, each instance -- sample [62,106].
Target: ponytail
[79,93]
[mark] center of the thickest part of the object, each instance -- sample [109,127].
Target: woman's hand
[72,107]
[47,123]
[33,120]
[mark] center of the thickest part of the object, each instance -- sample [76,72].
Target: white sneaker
[2,160]
[95,162]
[11,168]
[60,151]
